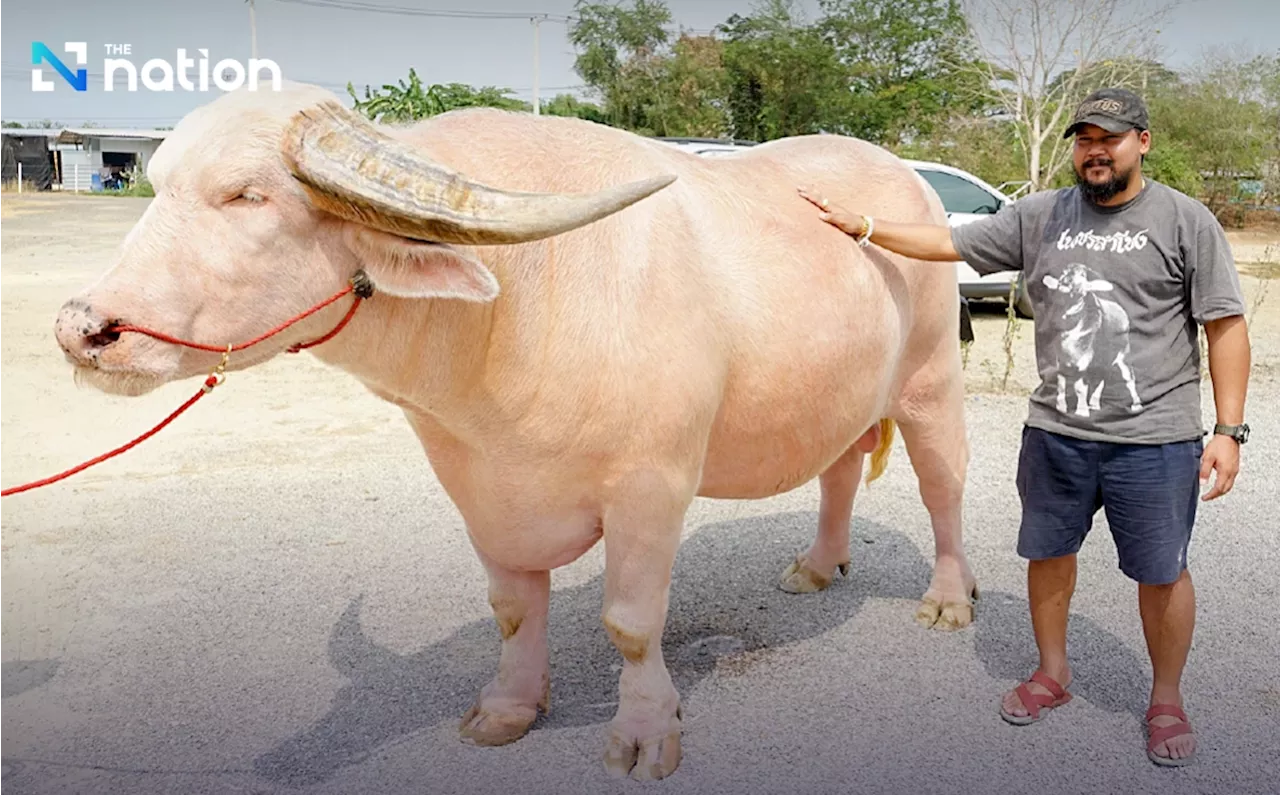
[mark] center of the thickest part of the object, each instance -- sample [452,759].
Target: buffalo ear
[1050,282]
[416,269]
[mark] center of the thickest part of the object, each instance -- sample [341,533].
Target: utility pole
[536,104]
[253,32]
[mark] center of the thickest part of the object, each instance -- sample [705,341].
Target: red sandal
[1156,736]
[1035,701]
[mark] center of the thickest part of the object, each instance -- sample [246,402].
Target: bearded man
[1119,269]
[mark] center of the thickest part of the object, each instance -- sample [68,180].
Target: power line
[534,17]
[378,8]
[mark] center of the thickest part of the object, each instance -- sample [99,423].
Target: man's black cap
[1113,109]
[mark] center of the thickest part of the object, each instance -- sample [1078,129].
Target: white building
[77,158]
[86,151]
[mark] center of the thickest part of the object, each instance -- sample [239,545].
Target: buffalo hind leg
[642,526]
[509,704]
[934,434]
[815,569]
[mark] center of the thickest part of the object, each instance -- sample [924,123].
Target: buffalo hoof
[482,727]
[500,721]
[643,758]
[803,576]
[946,615]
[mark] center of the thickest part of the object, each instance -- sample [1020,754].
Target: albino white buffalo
[586,329]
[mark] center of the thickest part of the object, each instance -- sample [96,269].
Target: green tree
[911,64]
[569,105]
[621,56]
[884,70]
[651,80]
[985,147]
[405,102]
[782,77]
[1219,122]
[692,88]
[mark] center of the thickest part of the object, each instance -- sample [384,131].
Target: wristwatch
[1238,432]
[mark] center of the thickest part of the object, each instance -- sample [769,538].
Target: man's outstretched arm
[918,241]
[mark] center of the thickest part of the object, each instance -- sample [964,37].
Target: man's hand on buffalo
[846,221]
[919,241]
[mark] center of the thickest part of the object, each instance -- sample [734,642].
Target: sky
[329,46]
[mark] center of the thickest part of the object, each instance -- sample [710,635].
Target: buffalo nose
[81,332]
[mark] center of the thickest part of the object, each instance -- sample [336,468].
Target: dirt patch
[1261,270]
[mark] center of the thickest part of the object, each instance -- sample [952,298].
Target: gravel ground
[274,595]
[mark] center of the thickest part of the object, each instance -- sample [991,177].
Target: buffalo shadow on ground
[724,607]
[20,675]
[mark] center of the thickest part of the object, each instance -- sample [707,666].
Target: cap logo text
[1100,106]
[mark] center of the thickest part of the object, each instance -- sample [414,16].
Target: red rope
[360,285]
[230,349]
[303,345]
[209,383]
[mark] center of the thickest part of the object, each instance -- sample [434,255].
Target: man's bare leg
[1168,621]
[1050,585]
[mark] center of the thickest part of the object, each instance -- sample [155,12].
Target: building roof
[76,135]
[30,132]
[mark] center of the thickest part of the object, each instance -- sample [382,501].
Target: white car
[708,147]
[965,197]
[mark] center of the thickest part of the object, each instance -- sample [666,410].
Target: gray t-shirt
[1117,293]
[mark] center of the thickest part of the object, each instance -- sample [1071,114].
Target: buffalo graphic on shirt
[1095,343]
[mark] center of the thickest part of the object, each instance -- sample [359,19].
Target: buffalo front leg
[509,704]
[1126,372]
[814,570]
[641,535]
[1082,397]
[934,436]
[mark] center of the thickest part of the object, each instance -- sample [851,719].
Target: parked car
[710,147]
[966,198]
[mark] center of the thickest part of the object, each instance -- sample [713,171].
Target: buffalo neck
[463,363]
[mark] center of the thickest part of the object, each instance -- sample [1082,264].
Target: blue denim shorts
[1149,492]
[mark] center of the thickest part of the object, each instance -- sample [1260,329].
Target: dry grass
[1265,268]
[11,186]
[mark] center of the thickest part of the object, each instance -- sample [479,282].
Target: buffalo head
[266,203]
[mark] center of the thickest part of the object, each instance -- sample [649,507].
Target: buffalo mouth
[116,381]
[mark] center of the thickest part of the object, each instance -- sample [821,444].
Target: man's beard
[1105,191]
